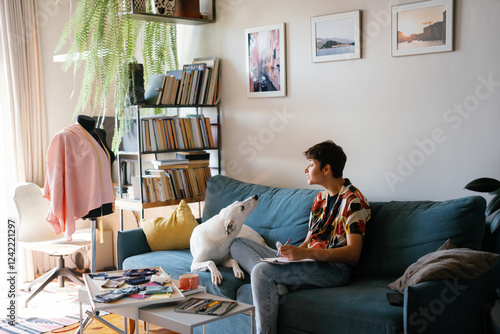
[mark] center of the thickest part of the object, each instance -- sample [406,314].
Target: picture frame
[422,27]
[336,37]
[266,61]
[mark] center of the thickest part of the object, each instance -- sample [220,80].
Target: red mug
[188,281]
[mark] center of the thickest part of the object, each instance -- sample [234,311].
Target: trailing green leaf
[493,205]
[103,40]
[484,184]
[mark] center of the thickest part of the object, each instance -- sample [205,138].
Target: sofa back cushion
[282,213]
[399,233]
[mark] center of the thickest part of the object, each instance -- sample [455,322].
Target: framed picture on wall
[336,37]
[266,61]
[423,27]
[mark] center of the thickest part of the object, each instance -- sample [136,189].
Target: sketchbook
[284,260]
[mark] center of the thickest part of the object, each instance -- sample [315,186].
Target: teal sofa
[398,234]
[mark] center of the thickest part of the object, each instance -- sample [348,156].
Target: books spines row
[162,185]
[174,133]
[195,84]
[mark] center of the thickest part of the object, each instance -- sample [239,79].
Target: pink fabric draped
[76,182]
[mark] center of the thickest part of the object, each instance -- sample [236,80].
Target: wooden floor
[97,327]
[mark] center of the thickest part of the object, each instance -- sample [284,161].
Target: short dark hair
[330,153]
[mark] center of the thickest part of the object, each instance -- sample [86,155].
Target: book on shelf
[154,89]
[167,89]
[211,96]
[197,163]
[169,162]
[173,133]
[172,89]
[190,76]
[196,84]
[161,185]
[192,156]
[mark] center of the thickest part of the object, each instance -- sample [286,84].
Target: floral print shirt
[348,214]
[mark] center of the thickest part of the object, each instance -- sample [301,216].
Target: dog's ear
[230,224]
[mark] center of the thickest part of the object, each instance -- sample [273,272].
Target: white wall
[393,116]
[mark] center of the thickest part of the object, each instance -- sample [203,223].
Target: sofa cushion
[399,233]
[177,262]
[360,307]
[171,233]
[282,213]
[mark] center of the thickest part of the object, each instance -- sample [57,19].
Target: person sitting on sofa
[334,240]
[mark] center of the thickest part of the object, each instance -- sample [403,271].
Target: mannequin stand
[94,315]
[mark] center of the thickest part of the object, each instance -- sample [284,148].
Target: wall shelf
[168,19]
[143,16]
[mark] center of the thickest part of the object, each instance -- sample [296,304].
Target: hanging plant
[102,39]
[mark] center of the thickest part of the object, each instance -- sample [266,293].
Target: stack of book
[196,84]
[161,185]
[174,133]
[184,160]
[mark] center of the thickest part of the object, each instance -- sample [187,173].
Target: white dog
[211,240]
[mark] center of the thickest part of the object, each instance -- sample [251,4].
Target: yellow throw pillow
[172,233]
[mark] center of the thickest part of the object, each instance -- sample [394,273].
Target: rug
[53,308]
[36,325]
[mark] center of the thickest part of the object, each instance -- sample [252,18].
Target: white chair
[35,233]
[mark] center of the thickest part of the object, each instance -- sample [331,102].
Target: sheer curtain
[23,115]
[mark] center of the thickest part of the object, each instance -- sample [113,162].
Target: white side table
[165,316]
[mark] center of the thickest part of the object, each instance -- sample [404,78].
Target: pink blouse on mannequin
[78,178]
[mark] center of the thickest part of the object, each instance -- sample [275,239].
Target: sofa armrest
[449,306]
[130,243]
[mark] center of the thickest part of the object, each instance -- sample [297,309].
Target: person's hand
[293,252]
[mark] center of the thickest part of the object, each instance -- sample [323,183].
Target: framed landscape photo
[266,61]
[336,37]
[423,27]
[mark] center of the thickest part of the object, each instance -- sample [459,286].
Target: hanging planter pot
[139,6]
[163,7]
[188,8]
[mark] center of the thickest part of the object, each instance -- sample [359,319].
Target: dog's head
[234,215]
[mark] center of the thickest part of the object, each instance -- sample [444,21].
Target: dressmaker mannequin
[88,123]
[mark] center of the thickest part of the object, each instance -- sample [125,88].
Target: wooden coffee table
[165,316]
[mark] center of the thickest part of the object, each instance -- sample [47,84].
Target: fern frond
[102,42]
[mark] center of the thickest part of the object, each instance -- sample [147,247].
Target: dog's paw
[216,278]
[239,274]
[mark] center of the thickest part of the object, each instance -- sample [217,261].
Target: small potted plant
[491,186]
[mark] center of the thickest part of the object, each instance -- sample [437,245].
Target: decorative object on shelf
[188,8]
[491,186]
[423,27]
[136,85]
[108,26]
[336,37]
[163,7]
[139,6]
[266,61]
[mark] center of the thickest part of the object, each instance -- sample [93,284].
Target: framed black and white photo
[266,61]
[336,37]
[423,27]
